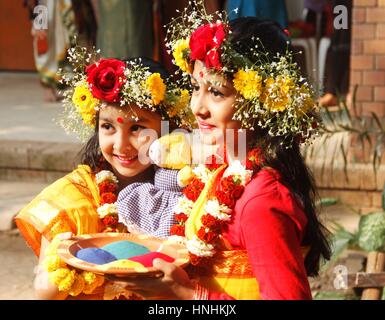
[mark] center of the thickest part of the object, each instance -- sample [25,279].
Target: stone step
[37,161]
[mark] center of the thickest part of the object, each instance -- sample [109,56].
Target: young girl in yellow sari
[114,101]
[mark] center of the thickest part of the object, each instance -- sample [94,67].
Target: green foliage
[371,232]
[369,131]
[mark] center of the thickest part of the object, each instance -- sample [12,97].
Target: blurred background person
[125,28]
[66,19]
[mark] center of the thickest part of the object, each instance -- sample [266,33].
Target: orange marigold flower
[181,217]
[177,230]
[108,197]
[207,237]
[110,221]
[211,222]
[107,187]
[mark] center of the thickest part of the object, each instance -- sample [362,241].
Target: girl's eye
[194,87]
[216,93]
[106,126]
[136,128]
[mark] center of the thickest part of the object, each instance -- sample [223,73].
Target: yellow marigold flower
[63,278]
[85,103]
[181,103]
[53,262]
[52,247]
[156,87]
[78,286]
[276,95]
[308,103]
[89,119]
[91,281]
[180,55]
[248,83]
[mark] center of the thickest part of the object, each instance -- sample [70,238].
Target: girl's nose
[122,145]
[199,108]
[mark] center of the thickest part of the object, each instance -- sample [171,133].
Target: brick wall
[368,55]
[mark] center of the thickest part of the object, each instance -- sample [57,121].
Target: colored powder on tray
[147,259]
[125,249]
[125,264]
[95,255]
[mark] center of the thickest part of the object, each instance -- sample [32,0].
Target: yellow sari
[69,204]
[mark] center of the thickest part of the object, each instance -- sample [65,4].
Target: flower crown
[96,82]
[272,94]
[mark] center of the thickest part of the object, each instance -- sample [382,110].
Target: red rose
[255,156]
[108,197]
[177,230]
[207,237]
[181,217]
[203,40]
[211,222]
[106,186]
[110,221]
[213,59]
[106,77]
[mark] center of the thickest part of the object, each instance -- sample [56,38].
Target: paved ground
[23,113]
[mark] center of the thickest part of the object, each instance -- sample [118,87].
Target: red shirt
[270,224]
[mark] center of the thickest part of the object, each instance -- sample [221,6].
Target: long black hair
[287,161]
[90,153]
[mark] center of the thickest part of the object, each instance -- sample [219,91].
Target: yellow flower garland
[66,279]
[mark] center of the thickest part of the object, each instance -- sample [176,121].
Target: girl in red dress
[249,222]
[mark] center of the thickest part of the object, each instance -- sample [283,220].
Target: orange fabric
[69,204]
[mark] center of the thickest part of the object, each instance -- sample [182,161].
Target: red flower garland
[229,190]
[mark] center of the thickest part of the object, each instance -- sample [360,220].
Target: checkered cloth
[149,207]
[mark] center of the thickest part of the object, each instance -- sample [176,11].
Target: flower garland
[219,208]
[108,212]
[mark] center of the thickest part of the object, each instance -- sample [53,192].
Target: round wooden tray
[67,250]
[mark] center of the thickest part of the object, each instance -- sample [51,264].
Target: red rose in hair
[108,197]
[207,237]
[181,217]
[203,40]
[106,186]
[177,230]
[213,59]
[254,159]
[106,77]
[211,222]
[110,221]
